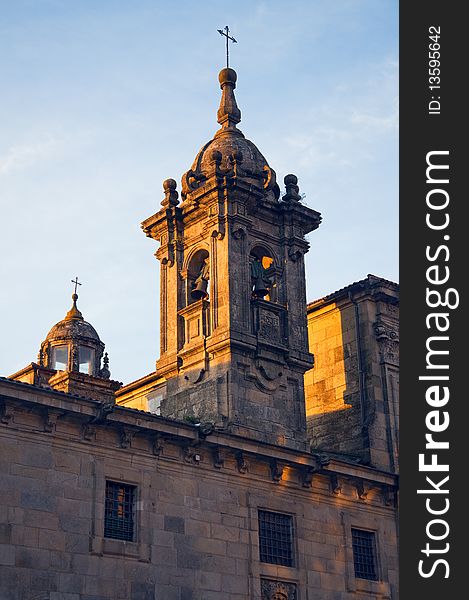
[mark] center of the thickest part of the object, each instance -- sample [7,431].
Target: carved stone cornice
[90,422]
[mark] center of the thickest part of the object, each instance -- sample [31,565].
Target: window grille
[119,511]
[276,538]
[364,554]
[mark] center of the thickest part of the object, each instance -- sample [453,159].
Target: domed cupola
[74,345]
[71,360]
[229,154]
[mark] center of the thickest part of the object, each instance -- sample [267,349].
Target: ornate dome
[230,147]
[73,328]
[229,151]
[74,345]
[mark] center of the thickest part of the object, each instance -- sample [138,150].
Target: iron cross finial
[76,282]
[226,32]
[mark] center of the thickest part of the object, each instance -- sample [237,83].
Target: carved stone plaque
[278,590]
[269,326]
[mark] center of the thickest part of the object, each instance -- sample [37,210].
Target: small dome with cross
[73,344]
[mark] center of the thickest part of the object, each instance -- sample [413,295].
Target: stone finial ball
[227,75]
[216,156]
[290,179]
[169,185]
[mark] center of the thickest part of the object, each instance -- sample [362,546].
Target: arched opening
[263,275]
[198,277]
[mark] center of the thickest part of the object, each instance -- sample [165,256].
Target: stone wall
[332,386]
[352,391]
[197,509]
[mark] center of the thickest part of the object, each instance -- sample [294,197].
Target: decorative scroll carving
[388,340]
[50,421]
[322,460]
[389,495]
[239,233]
[125,437]
[218,234]
[259,378]
[295,253]
[242,463]
[204,429]
[268,371]
[278,590]
[157,445]
[336,484]
[195,377]
[218,458]
[105,408]
[362,490]
[192,455]
[307,477]
[88,432]
[276,470]
[6,413]
[270,178]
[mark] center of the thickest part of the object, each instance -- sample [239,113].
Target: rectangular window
[86,358]
[364,554]
[60,358]
[119,511]
[276,538]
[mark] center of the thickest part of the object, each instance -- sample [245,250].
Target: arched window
[263,276]
[198,277]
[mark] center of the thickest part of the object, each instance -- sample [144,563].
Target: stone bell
[200,290]
[260,290]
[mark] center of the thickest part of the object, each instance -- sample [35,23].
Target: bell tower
[234,344]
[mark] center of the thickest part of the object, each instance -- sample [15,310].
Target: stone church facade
[258,461]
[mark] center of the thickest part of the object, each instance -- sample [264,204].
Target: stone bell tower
[234,344]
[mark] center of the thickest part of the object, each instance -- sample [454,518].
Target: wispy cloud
[23,156]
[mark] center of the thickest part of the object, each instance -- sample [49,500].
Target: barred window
[119,511]
[276,538]
[364,554]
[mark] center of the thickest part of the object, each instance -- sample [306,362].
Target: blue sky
[102,100]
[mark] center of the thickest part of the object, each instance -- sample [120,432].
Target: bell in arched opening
[200,289]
